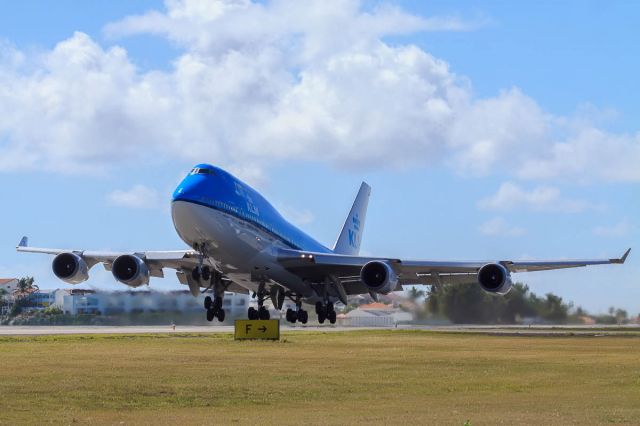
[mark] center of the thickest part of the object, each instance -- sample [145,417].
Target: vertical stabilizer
[349,239]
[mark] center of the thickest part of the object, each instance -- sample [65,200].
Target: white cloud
[621,229]
[542,198]
[588,154]
[258,83]
[499,227]
[138,197]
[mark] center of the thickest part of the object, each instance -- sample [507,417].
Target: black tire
[252,313]
[331,316]
[330,307]
[205,273]
[195,274]
[221,315]
[263,313]
[288,315]
[321,317]
[303,316]
[319,307]
[217,304]
[210,314]
[207,302]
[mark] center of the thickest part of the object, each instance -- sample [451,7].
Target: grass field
[390,377]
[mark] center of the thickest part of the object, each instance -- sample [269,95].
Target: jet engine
[130,270]
[70,268]
[495,278]
[379,277]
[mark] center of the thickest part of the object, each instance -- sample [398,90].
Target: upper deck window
[200,171]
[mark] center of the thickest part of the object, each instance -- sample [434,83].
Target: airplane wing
[183,261]
[316,266]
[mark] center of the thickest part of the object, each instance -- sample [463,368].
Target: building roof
[376,306]
[5,281]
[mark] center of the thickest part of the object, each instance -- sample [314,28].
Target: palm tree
[26,286]
[415,294]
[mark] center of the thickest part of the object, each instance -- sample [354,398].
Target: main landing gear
[325,312]
[298,314]
[214,308]
[261,313]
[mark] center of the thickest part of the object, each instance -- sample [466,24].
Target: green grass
[360,377]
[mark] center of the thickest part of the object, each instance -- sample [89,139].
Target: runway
[515,330]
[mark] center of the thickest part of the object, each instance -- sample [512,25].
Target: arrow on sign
[263,328]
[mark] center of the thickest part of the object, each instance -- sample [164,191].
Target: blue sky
[487,130]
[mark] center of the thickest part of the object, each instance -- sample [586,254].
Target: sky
[488,130]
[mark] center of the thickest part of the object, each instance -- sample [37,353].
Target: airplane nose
[188,190]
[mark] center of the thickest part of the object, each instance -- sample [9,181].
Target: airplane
[240,243]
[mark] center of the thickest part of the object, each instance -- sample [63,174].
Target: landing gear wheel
[217,304]
[205,273]
[210,314]
[319,307]
[288,316]
[252,313]
[263,313]
[331,316]
[303,316]
[195,274]
[321,317]
[221,315]
[207,302]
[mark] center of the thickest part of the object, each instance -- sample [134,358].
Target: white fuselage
[243,252]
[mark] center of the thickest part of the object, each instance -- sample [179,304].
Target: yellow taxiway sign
[257,329]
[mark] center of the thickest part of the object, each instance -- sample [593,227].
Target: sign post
[257,329]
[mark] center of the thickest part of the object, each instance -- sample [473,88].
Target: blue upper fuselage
[213,187]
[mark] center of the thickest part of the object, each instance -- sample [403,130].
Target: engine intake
[130,270]
[379,277]
[495,278]
[70,268]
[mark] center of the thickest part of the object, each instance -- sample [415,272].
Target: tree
[580,312]
[415,294]
[553,309]
[26,286]
[468,303]
[432,303]
[621,316]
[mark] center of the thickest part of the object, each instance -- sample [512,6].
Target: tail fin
[349,239]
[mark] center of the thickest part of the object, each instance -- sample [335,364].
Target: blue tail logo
[351,235]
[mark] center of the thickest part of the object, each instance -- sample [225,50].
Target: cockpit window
[200,171]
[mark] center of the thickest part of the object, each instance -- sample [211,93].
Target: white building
[81,301]
[375,315]
[9,284]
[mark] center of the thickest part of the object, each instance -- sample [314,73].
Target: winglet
[24,242]
[623,258]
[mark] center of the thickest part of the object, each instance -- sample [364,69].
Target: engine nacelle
[70,268]
[379,277]
[130,270]
[495,278]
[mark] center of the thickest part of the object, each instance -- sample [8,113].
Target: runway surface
[519,330]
